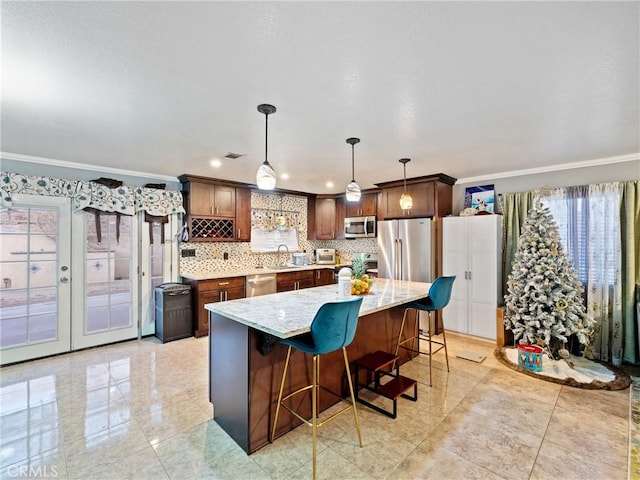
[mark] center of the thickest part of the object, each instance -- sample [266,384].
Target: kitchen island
[246,360]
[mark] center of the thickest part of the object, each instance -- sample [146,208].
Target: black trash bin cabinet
[174,316]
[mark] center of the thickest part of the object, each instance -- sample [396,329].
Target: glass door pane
[108,314]
[34,280]
[158,251]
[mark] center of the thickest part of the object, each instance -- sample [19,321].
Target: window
[263,242]
[587,221]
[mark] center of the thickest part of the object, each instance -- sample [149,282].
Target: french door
[111,276]
[156,255]
[105,290]
[35,288]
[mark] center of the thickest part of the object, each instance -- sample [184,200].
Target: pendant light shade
[353,190]
[406,202]
[266,175]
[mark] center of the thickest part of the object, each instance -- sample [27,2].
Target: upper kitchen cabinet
[216,210]
[325,217]
[211,200]
[432,197]
[365,207]
[243,214]
[341,213]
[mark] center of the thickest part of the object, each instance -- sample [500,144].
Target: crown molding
[83,166]
[552,168]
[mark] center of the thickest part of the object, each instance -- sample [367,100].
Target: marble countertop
[208,275]
[288,314]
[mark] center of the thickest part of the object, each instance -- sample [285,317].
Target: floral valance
[267,220]
[124,199]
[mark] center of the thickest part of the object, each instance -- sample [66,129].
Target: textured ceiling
[463,88]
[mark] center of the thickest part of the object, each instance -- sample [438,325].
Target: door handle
[399,277]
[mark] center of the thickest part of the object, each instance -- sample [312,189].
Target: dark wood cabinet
[324,276]
[216,210]
[423,201]
[326,218]
[213,291]
[243,215]
[287,281]
[211,200]
[341,213]
[432,197]
[366,206]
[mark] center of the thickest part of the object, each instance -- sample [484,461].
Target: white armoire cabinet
[472,251]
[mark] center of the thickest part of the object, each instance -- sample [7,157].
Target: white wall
[585,175]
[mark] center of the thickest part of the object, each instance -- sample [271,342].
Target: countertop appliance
[405,249]
[360,227]
[261,284]
[326,256]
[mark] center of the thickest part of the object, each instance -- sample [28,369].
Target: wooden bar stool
[438,298]
[332,328]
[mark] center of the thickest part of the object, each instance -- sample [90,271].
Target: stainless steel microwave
[360,227]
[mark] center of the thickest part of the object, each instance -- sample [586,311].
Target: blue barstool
[332,328]
[438,298]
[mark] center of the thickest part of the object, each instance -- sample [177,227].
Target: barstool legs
[284,377]
[315,398]
[416,337]
[353,398]
[314,411]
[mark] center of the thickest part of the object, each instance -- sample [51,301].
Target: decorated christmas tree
[544,304]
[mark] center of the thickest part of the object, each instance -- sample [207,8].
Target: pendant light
[353,190]
[406,202]
[266,176]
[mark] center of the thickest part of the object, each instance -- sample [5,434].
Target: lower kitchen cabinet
[324,277]
[213,291]
[287,281]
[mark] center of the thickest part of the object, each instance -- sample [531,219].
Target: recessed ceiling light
[329,184]
[284,176]
[215,162]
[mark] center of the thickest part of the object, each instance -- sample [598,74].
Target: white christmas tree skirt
[579,369]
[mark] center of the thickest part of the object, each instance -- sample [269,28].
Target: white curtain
[604,278]
[588,219]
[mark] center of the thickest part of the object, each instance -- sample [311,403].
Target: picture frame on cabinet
[480,198]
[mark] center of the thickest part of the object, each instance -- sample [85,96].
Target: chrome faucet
[286,248]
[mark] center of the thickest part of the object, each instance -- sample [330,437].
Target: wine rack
[208,229]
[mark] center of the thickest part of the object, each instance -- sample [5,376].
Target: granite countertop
[208,275]
[288,314]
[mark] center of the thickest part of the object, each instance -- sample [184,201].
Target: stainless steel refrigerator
[405,249]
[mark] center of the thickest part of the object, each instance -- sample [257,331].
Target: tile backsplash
[210,256]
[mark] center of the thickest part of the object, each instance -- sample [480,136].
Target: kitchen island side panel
[228,378]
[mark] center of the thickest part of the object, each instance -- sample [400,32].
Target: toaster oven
[326,256]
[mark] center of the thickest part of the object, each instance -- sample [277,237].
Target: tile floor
[139,410]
